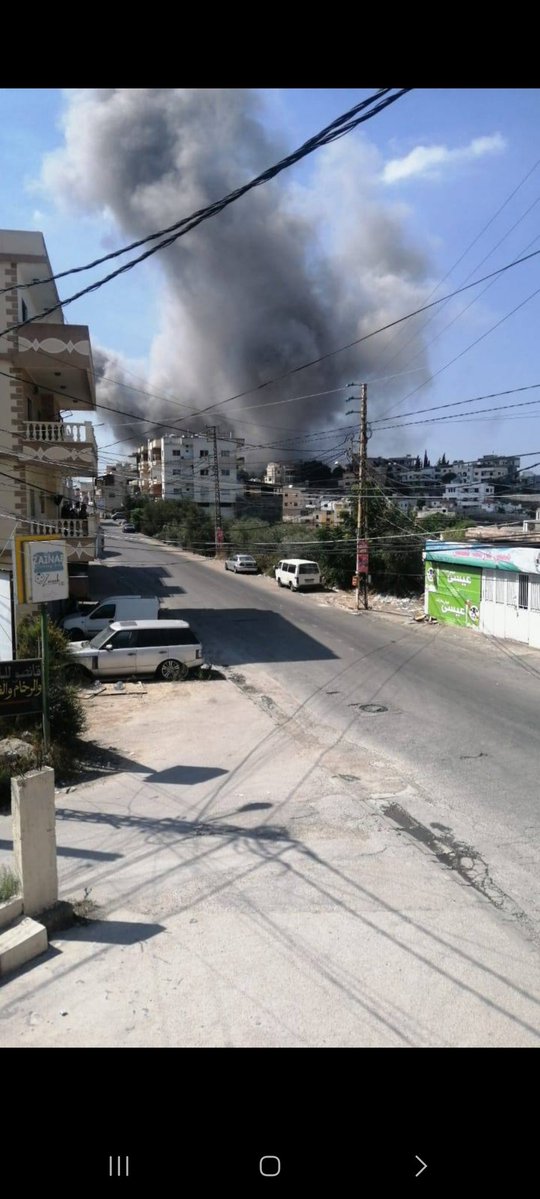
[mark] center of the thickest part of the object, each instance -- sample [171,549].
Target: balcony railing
[59,431]
[70,527]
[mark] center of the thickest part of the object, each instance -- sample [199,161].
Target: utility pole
[217,496]
[361,521]
[45,670]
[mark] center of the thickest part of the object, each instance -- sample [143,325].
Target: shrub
[67,717]
[9,884]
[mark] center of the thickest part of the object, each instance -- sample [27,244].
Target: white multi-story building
[46,370]
[182,467]
[487,469]
[470,495]
[278,474]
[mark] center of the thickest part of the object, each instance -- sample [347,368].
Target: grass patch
[9,884]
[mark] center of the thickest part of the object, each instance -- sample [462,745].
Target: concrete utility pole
[361,519]
[217,495]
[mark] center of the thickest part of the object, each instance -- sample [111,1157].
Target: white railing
[70,527]
[59,431]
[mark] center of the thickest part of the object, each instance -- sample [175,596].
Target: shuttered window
[523,598]
[534,593]
[488,586]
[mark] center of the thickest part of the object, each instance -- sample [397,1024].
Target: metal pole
[361,517]
[365,506]
[217,496]
[45,669]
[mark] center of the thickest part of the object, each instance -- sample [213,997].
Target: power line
[338,128]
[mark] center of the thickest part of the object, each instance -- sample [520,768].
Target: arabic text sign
[454,594]
[21,687]
[509,557]
[46,570]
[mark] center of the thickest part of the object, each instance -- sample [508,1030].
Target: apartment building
[46,397]
[182,467]
[470,495]
[112,488]
[278,474]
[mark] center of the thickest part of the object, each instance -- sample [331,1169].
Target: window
[224,472]
[176,453]
[106,612]
[308,568]
[225,453]
[500,588]
[512,590]
[122,639]
[523,595]
[203,474]
[488,586]
[177,491]
[203,453]
[177,472]
[534,593]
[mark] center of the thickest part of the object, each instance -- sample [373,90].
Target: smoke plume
[286,274]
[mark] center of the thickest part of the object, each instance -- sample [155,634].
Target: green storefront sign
[454,594]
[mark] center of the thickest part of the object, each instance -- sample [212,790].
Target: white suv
[167,648]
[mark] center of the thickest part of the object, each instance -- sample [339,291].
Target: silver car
[242,564]
[166,648]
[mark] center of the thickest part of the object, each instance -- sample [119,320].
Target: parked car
[128,528]
[116,607]
[242,564]
[297,573]
[166,648]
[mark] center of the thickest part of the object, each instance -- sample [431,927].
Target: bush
[9,884]
[67,717]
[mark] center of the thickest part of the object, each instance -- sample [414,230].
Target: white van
[297,573]
[80,626]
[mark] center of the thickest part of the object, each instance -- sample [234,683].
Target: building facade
[112,488]
[278,474]
[494,589]
[46,370]
[182,467]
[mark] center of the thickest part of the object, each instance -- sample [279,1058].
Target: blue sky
[443,161]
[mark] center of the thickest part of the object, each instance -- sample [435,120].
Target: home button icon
[270,1166]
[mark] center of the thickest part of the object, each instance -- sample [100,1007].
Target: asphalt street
[460,718]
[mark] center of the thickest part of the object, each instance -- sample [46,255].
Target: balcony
[81,535]
[70,448]
[58,358]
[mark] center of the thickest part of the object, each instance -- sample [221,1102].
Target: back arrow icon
[423,1165]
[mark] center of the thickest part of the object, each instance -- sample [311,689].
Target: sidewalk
[251,892]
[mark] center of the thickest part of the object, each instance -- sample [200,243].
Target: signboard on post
[219,536]
[21,687]
[19,542]
[362,557]
[46,571]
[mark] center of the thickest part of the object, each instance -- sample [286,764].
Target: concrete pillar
[34,838]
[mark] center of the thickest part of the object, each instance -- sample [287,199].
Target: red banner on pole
[362,557]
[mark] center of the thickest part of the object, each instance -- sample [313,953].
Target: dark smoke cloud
[285,274]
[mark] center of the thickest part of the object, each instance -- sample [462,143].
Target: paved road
[461,716]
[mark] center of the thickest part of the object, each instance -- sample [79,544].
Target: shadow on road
[245,635]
